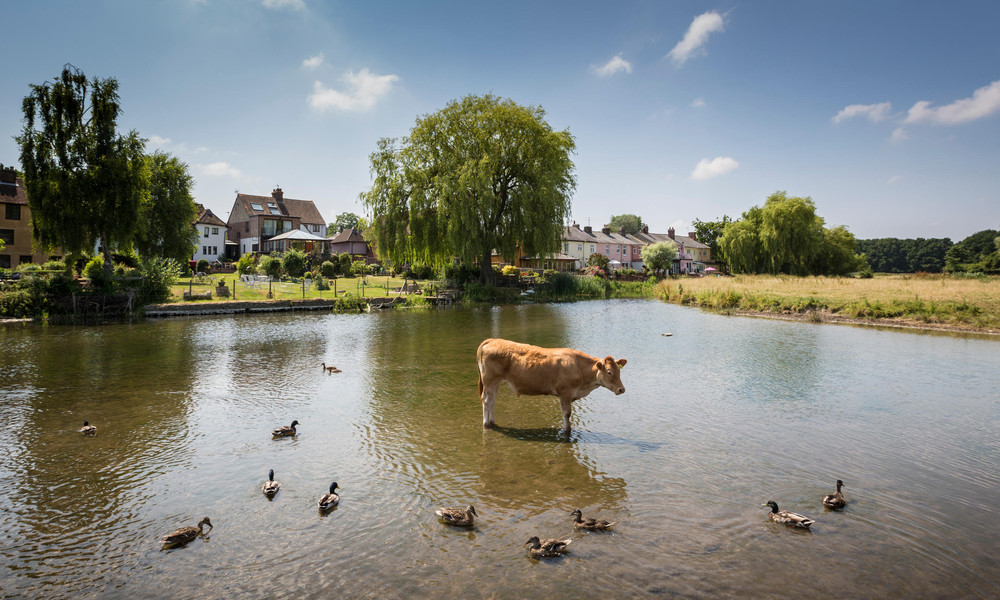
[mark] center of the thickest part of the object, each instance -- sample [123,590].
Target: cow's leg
[567,411]
[489,400]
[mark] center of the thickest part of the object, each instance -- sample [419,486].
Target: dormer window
[257,207]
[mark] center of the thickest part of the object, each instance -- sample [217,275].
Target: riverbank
[909,301]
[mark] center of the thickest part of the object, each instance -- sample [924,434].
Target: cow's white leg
[567,411]
[489,400]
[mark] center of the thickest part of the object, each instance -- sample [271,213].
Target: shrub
[54,265]
[549,273]
[345,263]
[94,271]
[28,268]
[62,284]
[294,263]
[328,269]
[204,266]
[320,284]
[592,286]
[598,260]
[594,271]
[158,274]
[16,304]
[421,271]
[246,265]
[359,267]
[509,270]
[561,284]
[271,266]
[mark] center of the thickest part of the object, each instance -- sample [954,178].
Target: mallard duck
[589,524]
[88,429]
[835,500]
[786,517]
[331,369]
[284,430]
[185,534]
[462,517]
[538,547]
[270,486]
[328,501]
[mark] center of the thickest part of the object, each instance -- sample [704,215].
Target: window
[13,212]
[565,246]
[215,231]
[579,247]
[24,259]
[607,248]
[256,206]
[206,232]
[591,248]
[4,261]
[204,250]
[315,228]
[7,235]
[246,227]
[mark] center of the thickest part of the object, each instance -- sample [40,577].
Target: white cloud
[220,169]
[158,141]
[363,90]
[313,61]
[280,4]
[894,179]
[873,112]
[696,36]
[613,66]
[707,169]
[984,102]
[698,103]
[899,134]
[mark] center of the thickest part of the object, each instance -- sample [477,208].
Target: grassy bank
[938,301]
[370,287]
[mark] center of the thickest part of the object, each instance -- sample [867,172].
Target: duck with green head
[787,517]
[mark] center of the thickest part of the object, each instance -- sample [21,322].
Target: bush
[320,284]
[16,304]
[345,263]
[94,271]
[549,274]
[359,267]
[61,284]
[271,266]
[28,268]
[561,284]
[328,269]
[158,274]
[421,271]
[592,286]
[294,263]
[204,266]
[508,270]
[54,265]
[594,271]
[246,265]
[598,260]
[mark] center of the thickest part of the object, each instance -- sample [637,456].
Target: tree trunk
[109,267]
[486,268]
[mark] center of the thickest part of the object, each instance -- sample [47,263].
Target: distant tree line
[893,255]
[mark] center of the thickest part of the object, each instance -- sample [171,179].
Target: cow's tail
[479,365]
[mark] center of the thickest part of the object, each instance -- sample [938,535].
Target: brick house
[254,220]
[15,223]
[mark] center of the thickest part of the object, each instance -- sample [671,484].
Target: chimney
[645,229]
[693,235]
[8,174]
[606,230]
[278,195]
[575,224]
[588,229]
[621,231]
[670,233]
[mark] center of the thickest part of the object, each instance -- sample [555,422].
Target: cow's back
[532,370]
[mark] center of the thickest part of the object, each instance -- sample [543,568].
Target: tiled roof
[207,217]
[347,235]
[13,193]
[305,210]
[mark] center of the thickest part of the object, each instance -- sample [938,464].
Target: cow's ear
[621,362]
[600,365]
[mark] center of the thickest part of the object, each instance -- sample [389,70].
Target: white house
[211,236]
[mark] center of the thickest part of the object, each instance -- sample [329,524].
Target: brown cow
[533,371]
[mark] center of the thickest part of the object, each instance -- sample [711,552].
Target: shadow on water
[558,436]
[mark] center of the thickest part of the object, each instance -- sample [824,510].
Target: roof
[349,234]
[298,235]
[305,210]
[13,193]
[207,217]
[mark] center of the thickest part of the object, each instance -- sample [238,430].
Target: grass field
[370,287]
[913,300]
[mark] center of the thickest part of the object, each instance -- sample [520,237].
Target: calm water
[726,414]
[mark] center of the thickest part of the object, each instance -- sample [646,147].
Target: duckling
[284,430]
[328,501]
[836,500]
[458,516]
[270,486]
[331,369]
[538,547]
[589,524]
[786,517]
[185,534]
[88,429]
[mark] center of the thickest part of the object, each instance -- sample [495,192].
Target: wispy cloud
[158,141]
[894,179]
[364,88]
[984,102]
[281,4]
[698,103]
[899,134]
[613,66]
[707,169]
[165,143]
[220,169]
[873,112]
[696,36]
[313,61]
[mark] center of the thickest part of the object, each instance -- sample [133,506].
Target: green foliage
[561,284]
[420,271]
[70,149]
[892,255]
[17,304]
[319,283]
[203,265]
[246,265]
[598,260]
[271,266]
[328,269]
[345,220]
[970,253]
[508,270]
[460,274]
[659,256]
[631,224]
[96,273]
[359,267]
[482,174]
[592,287]
[345,263]
[28,268]
[55,265]
[709,232]
[168,211]
[158,274]
[294,262]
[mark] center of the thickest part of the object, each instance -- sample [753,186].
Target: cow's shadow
[577,436]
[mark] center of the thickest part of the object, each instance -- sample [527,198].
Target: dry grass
[922,300]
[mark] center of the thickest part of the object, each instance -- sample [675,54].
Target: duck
[590,524]
[328,501]
[185,534]
[88,429]
[537,547]
[461,517]
[786,517]
[284,430]
[835,500]
[331,369]
[271,486]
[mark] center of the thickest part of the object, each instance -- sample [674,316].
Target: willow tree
[84,181]
[483,174]
[168,212]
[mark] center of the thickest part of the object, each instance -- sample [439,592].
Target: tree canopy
[482,174]
[709,233]
[84,180]
[786,236]
[893,255]
[977,253]
[167,213]
[659,256]
[345,220]
[630,224]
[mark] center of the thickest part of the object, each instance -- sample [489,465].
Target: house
[211,236]
[579,243]
[15,223]
[254,220]
[351,241]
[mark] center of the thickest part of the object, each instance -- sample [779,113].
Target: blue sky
[886,113]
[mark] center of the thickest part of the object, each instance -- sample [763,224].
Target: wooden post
[234,290]
[303,289]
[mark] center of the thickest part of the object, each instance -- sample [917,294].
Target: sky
[886,114]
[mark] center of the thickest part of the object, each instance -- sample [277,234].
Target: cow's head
[609,374]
